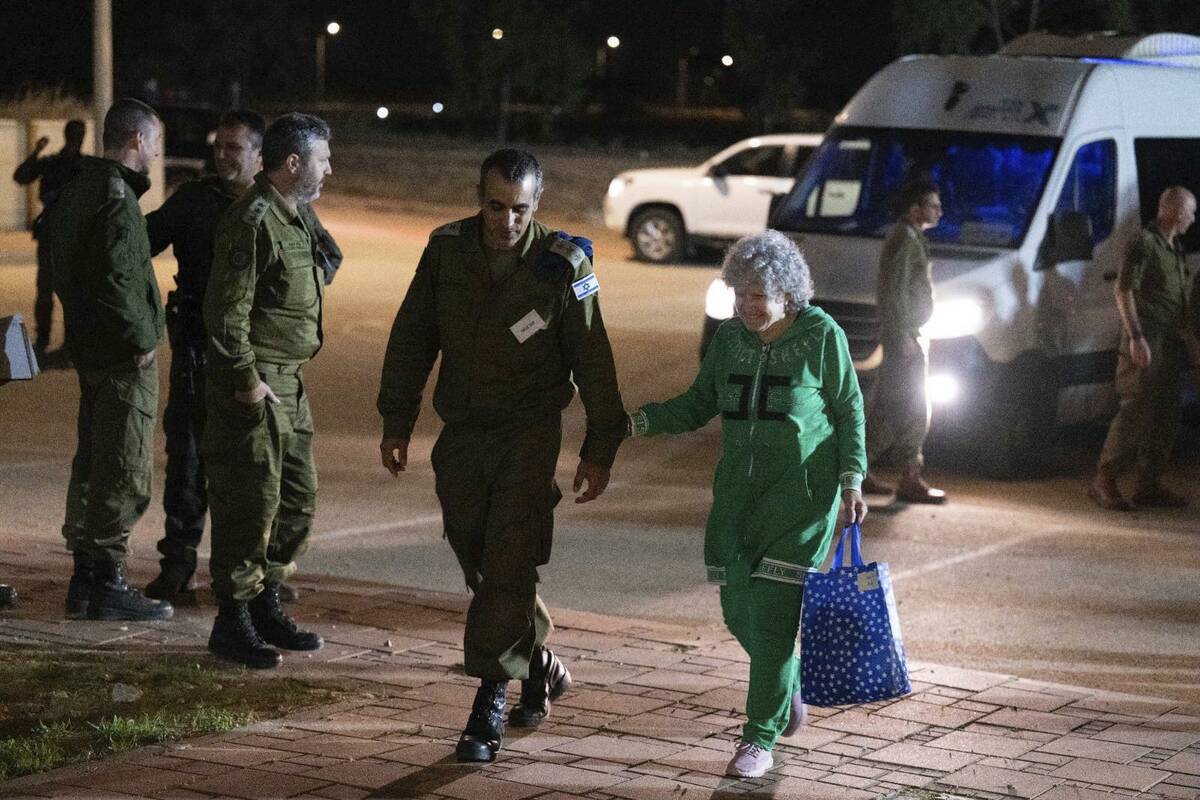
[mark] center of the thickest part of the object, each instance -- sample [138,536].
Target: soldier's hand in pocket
[260,392]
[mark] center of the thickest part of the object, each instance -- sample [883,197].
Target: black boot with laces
[275,626]
[548,680]
[481,739]
[80,587]
[234,638]
[114,599]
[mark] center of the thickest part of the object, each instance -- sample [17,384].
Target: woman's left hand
[854,508]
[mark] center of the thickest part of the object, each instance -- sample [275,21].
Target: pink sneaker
[799,717]
[750,761]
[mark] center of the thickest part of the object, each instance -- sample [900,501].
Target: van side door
[1080,256]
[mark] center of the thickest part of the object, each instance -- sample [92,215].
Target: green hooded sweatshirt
[792,428]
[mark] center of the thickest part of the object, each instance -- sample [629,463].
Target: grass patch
[58,708]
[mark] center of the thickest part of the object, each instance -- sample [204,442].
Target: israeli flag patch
[586,286]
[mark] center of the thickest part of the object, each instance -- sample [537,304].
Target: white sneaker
[799,716]
[750,761]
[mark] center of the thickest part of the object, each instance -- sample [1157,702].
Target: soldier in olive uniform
[512,308]
[898,410]
[262,314]
[114,320]
[188,221]
[54,171]
[1151,294]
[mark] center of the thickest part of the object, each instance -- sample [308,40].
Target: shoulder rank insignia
[256,210]
[568,250]
[449,229]
[116,187]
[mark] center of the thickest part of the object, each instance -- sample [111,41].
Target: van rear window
[990,183]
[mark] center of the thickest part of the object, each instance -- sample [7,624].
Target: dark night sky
[380,53]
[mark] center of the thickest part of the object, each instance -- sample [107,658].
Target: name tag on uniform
[527,326]
[586,286]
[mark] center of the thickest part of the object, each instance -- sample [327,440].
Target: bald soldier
[1151,295]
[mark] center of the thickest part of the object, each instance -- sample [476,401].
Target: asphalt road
[1025,578]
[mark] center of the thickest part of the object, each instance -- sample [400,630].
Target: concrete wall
[18,204]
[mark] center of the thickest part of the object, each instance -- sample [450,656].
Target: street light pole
[102,71]
[331,29]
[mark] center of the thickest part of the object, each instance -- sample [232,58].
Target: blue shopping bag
[850,645]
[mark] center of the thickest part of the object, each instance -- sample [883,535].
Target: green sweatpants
[262,483]
[897,408]
[111,473]
[497,492]
[1147,421]
[764,616]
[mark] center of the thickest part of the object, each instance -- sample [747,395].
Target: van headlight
[616,186]
[718,303]
[960,316]
[942,389]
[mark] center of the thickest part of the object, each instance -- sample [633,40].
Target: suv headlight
[960,316]
[718,303]
[616,186]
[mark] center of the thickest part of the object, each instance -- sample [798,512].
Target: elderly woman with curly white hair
[793,450]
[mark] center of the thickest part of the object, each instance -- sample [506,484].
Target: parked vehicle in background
[1049,157]
[666,212]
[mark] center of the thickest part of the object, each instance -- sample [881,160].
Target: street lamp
[727,60]
[332,29]
[613,42]
[497,33]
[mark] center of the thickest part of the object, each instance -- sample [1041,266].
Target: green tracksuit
[792,430]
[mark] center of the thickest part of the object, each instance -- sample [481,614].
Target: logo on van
[1010,109]
[960,88]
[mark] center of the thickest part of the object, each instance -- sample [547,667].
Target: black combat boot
[114,599]
[80,587]
[548,680]
[234,638]
[8,596]
[480,740]
[173,583]
[275,626]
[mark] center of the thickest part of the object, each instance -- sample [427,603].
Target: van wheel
[1018,433]
[658,235]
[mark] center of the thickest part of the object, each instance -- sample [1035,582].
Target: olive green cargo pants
[262,483]
[897,408]
[113,466]
[1147,420]
[497,492]
[764,616]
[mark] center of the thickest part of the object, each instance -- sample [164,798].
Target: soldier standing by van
[898,410]
[1151,294]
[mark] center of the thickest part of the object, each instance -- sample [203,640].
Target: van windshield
[990,183]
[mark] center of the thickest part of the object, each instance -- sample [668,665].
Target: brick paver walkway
[653,716]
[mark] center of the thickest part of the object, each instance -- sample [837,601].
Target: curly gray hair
[773,261]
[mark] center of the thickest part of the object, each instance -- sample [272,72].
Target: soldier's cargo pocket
[131,419]
[233,429]
[541,523]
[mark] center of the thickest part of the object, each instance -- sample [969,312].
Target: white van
[1049,157]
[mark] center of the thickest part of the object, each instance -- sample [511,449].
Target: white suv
[665,211]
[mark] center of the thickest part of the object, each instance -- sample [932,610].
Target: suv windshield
[990,183]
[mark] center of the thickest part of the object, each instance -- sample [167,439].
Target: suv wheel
[657,235]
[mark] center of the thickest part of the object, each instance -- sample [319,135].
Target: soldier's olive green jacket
[102,270]
[265,294]
[489,376]
[1155,272]
[905,294]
